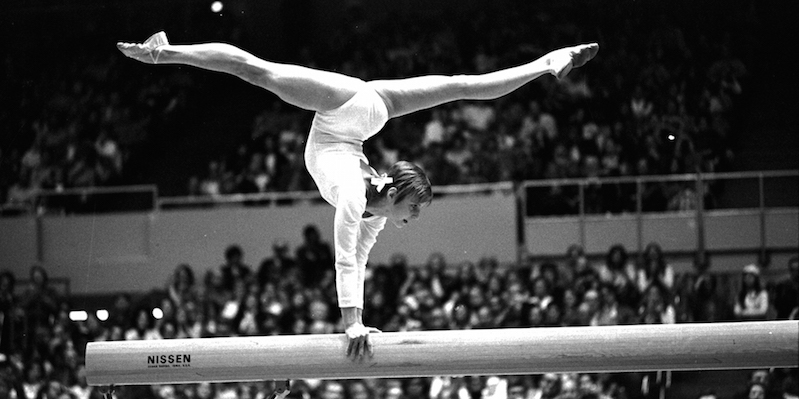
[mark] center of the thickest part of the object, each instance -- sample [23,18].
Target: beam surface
[701,346]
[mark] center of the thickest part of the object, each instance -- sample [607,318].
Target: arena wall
[138,251]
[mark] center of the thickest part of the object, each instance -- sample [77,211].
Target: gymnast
[348,111]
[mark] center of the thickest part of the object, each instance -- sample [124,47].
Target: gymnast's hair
[409,180]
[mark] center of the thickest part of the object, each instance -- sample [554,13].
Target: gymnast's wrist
[351,315]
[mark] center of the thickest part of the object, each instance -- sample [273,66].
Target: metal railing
[78,200]
[146,197]
[742,191]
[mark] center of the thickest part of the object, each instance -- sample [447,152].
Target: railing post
[762,259]
[581,190]
[639,217]
[156,202]
[700,216]
[520,192]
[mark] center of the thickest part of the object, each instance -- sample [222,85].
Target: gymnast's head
[401,199]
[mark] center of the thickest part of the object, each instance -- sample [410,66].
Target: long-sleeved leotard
[334,157]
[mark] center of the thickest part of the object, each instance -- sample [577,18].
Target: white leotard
[333,156]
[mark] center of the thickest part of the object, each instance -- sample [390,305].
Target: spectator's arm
[760,308]
[436,287]
[737,309]
[668,277]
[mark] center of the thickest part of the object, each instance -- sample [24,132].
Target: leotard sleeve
[354,238]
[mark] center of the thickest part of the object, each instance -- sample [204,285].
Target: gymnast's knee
[255,72]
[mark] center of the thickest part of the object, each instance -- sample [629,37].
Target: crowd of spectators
[79,124]
[656,101]
[294,293]
[659,100]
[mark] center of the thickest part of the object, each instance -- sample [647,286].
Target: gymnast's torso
[335,144]
[334,158]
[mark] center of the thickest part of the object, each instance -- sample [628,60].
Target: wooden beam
[701,346]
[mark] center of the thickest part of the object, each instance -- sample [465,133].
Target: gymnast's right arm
[350,273]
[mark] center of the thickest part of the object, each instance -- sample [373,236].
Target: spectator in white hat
[752,301]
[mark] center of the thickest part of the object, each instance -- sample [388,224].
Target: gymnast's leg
[307,88]
[404,96]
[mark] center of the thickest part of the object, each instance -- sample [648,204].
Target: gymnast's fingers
[370,350]
[350,344]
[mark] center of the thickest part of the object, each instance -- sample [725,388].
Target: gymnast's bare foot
[562,61]
[146,52]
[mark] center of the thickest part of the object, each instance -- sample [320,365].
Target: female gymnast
[348,112]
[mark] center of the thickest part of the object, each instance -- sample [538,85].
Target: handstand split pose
[348,112]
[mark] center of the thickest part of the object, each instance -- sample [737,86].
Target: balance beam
[705,346]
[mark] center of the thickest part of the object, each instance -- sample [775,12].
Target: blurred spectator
[756,391]
[611,312]
[273,269]
[620,273]
[9,312]
[331,390]
[786,293]
[705,301]
[234,269]
[708,394]
[654,268]
[656,308]
[144,327]
[752,301]
[314,256]
[181,289]
[40,305]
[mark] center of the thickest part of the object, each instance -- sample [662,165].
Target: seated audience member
[752,300]
[654,267]
[234,269]
[786,293]
[656,307]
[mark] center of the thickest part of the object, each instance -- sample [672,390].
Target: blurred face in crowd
[550,385]
[394,393]
[591,300]
[38,276]
[34,373]
[749,280]
[609,296]
[358,391]
[516,392]
[587,385]
[759,376]
[416,388]
[476,297]
[552,315]
[438,319]
[142,320]
[536,316]
[569,299]
[204,391]
[333,390]
[540,288]
[568,389]
[756,391]
[793,269]
[319,310]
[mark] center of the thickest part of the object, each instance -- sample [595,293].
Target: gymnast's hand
[359,344]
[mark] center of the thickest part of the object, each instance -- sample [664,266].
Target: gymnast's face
[403,211]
